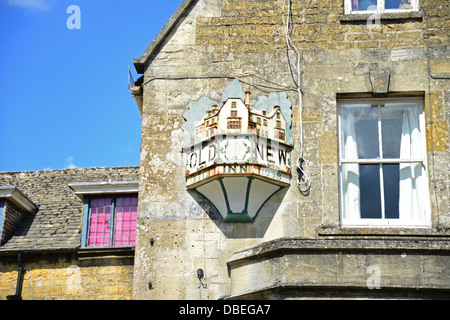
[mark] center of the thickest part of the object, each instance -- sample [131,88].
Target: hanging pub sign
[235,155]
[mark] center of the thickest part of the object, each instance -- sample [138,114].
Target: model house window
[361,6]
[233,104]
[234,113]
[280,134]
[383,179]
[234,124]
[265,122]
[112,221]
[210,132]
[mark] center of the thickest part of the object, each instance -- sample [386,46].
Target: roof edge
[19,198]
[104,187]
[69,169]
[140,62]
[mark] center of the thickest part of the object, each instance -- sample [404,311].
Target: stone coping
[287,245]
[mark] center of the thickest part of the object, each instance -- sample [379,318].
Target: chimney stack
[247,99]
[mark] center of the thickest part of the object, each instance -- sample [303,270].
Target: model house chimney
[247,99]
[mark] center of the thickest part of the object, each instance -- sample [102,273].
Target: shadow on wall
[237,230]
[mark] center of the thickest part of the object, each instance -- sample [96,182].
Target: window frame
[380,8]
[234,123]
[383,221]
[280,134]
[113,217]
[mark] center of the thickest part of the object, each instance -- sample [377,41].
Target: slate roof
[57,224]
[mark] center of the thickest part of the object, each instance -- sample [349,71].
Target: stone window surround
[332,227]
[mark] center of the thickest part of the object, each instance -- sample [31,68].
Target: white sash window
[383,179]
[380,6]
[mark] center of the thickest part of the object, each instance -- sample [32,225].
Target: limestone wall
[218,41]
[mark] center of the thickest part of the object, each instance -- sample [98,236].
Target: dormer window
[110,213]
[112,221]
[14,205]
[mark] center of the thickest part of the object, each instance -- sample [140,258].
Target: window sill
[385,16]
[105,252]
[381,231]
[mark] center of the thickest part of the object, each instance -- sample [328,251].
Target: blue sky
[64,100]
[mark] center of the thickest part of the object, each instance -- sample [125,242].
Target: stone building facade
[42,254]
[303,243]
[369,99]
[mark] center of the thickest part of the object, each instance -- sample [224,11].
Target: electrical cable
[428,49]
[303,177]
[259,86]
[204,276]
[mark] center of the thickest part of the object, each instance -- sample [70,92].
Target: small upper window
[379,6]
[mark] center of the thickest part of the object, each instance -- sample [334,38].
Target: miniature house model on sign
[238,156]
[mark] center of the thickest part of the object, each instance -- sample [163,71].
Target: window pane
[99,224]
[367,139]
[391,131]
[363,5]
[401,131]
[397,4]
[126,214]
[359,126]
[369,184]
[391,181]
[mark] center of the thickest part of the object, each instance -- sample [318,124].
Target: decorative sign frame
[238,156]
